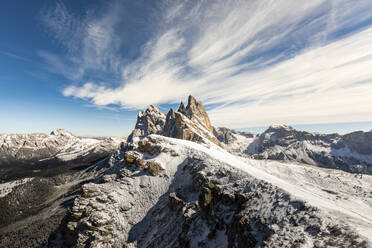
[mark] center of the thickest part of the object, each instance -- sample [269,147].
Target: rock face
[359,142]
[149,121]
[190,122]
[195,111]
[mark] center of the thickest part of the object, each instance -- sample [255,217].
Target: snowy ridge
[128,206]
[351,152]
[344,199]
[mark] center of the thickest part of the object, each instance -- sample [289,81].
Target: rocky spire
[170,123]
[195,111]
[182,108]
[149,121]
[190,123]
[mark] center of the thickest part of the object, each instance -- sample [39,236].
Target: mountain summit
[189,123]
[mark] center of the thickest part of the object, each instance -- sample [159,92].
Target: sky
[90,66]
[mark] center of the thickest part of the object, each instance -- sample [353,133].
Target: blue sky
[89,66]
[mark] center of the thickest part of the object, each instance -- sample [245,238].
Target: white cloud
[259,62]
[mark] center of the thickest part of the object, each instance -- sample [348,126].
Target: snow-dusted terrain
[28,155]
[6,188]
[180,182]
[60,144]
[129,206]
[351,152]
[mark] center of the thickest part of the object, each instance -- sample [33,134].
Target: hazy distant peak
[61,132]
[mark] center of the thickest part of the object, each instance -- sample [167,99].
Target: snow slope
[131,208]
[351,152]
[340,194]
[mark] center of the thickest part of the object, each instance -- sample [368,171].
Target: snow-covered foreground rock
[203,196]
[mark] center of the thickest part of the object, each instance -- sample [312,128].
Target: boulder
[130,157]
[148,147]
[174,201]
[140,163]
[154,168]
[205,198]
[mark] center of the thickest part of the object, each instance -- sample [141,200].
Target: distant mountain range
[41,151]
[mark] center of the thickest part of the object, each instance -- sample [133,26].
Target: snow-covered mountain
[175,193]
[59,144]
[351,152]
[180,182]
[21,154]
[173,185]
[189,123]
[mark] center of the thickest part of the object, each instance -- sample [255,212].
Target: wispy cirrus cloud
[89,41]
[15,56]
[254,62]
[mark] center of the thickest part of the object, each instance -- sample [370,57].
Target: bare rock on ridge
[190,123]
[149,121]
[195,111]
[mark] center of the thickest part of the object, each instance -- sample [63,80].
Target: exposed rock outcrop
[225,135]
[190,123]
[149,121]
[195,111]
[360,142]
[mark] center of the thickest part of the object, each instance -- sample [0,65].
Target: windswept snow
[345,196]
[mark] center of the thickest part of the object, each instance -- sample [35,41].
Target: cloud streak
[254,62]
[89,41]
[15,56]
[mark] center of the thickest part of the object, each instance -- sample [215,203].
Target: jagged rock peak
[61,132]
[182,108]
[149,121]
[151,110]
[195,111]
[190,123]
[280,127]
